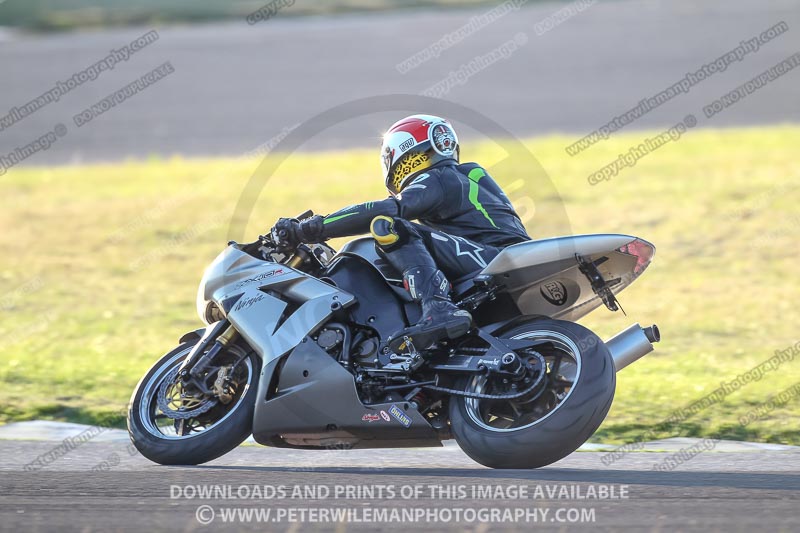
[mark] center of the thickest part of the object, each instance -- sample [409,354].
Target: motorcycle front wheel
[214,427]
[534,432]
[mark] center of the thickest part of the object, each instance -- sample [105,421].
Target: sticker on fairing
[400,416]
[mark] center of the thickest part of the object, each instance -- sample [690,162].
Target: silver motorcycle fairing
[542,277]
[246,289]
[309,400]
[313,403]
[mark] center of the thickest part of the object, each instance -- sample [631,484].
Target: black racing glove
[289,232]
[312,229]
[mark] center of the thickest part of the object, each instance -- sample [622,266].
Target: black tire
[202,447]
[562,431]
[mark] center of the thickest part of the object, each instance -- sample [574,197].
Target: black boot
[441,319]
[399,242]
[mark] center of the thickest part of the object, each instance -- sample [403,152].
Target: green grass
[65,15]
[109,257]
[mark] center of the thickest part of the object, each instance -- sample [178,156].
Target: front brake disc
[182,413]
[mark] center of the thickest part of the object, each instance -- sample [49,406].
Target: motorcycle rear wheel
[581,382]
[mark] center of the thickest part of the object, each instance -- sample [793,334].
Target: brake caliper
[222,385]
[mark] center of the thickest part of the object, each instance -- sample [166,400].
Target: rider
[467,220]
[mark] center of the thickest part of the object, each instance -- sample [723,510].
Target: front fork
[215,339]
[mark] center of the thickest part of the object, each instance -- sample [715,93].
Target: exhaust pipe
[632,344]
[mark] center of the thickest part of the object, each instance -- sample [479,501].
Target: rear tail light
[642,250]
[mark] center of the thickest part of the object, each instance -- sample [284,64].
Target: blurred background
[137,137]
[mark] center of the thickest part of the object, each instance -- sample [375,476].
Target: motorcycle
[294,352]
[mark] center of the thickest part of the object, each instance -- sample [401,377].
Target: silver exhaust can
[631,344]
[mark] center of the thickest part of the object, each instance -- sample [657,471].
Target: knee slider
[386,232]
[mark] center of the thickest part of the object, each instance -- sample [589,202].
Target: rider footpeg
[405,362]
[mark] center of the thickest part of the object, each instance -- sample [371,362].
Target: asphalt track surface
[711,492]
[236,86]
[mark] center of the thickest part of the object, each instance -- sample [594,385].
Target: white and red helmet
[414,144]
